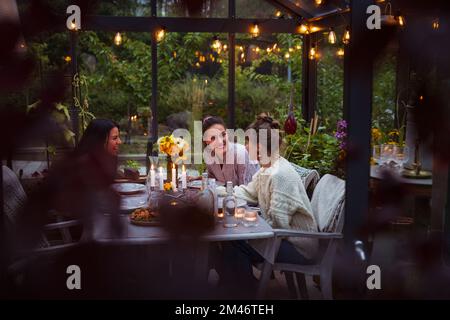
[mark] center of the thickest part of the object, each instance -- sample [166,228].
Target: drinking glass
[250,218]
[387,153]
[401,155]
[376,153]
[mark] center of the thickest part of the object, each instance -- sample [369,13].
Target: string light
[118,39]
[257,49]
[318,2]
[340,53]
[225,47]
[67,59]
[314,29]
[197,64]
[216,45]
[312,53]
[332,36]
[298,47]
[174,54]
[303,28]
[73,26]
[291,49]
[278,14]
[254,30]
[269,50]
[346,37]
[160,34]
[435,24]
[287,55]
[400,19]
[241,48]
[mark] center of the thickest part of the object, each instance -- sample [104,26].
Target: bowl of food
[145,217]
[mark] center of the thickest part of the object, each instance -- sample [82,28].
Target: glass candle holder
[219,215]
[250,218]
[239,214]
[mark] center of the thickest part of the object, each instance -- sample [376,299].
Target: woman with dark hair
[225,160]
[100,135]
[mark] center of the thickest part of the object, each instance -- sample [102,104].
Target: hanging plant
[290,125]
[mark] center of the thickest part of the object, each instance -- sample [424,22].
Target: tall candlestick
[174,177]
[183,178]
[161,179]
[152,177]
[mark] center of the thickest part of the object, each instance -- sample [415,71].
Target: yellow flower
[167,186]
[376,134]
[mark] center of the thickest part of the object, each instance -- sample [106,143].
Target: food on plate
[143,214]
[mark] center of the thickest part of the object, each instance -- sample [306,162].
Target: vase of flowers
[175,149]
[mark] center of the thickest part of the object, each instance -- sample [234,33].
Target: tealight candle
[250,219]
[239,213]
[220,215]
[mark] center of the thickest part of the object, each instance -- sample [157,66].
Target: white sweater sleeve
[248,192]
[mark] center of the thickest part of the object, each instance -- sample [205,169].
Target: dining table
[260,237]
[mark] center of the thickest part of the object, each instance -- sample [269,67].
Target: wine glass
[387,153]
[376,154]
[401,155]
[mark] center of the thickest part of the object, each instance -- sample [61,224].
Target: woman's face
[112,145]
[216,137]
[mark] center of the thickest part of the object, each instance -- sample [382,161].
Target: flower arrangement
[174,147]
[167,186]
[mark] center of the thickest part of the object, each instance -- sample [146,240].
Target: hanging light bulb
[400,19]
[269,50]
[298,47]
[303,29]
[291,49]
[312,53]
[314,29]
[278,14]
[225,47]
[216,45]
[73,26]
[332,36]
[287,55]
[319,2]
[257,49]
[118,39]
[436,24]
[160,34]
[340,53]
[346,37]
[254,30]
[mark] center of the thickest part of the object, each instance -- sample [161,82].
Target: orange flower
[167,186]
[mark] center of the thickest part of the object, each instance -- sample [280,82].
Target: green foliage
[132,164]
[318,151]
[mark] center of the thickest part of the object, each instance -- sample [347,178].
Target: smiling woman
[101,134]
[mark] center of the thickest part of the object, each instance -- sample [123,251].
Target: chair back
[309,177]
[14,196]
[328,202]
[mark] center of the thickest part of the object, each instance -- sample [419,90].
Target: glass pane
[266,69]
[330,80]
[261,9]
[194,8]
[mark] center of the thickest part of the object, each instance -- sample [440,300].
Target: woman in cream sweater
[280,193]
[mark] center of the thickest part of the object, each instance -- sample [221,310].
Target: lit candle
[152,177]
[183,178]
[161,179]
[220,215]
[239,213]
[174,177]
[250,219]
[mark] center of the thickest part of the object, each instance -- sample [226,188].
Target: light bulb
[278,14]
[435,24]
[287,55]
[401,21]
[332,36]
[346,38]
[319,2]
[118,39]
[216,45]
[340,52]
[312,53]
[303,28]
[160,34]
[254,30]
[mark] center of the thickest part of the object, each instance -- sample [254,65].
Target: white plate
[197,184]
[131,203]
[129,188]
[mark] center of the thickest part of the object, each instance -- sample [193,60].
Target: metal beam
[358,111]
[290,7]
[309,78]
[231,68]
[153,131]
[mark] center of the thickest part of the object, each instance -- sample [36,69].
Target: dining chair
[15,200]
[328,209]
[310,178]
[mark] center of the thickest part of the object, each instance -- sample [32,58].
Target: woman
[225,161]
[280,193]
[100,135]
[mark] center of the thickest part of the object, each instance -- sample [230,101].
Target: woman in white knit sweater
[279,192]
